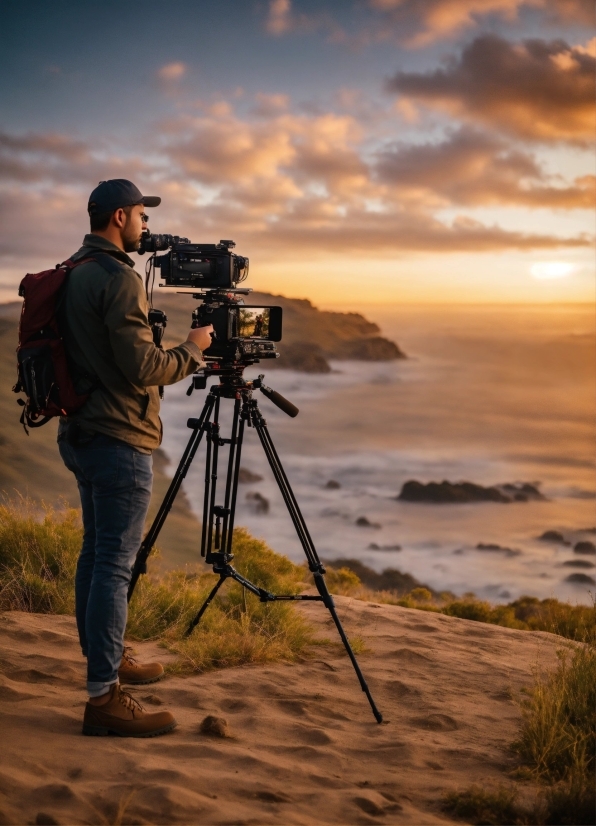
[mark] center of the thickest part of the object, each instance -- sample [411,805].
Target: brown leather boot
[134,673]
[124,716]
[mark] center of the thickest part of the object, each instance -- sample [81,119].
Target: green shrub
[342,581]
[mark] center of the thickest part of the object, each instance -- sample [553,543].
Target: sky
[358,152]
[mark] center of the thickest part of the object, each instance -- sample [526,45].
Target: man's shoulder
[95,262]
[103,252]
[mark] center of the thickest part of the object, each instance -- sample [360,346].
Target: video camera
[202,266]
[242,334]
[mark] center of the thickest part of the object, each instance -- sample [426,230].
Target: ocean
[487,394]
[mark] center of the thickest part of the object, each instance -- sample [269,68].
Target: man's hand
[201,336]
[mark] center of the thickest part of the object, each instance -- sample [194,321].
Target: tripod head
[233,385]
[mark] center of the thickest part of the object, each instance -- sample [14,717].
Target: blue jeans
[114,483]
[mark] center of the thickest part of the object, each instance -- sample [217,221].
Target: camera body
[199,266]
[242,334]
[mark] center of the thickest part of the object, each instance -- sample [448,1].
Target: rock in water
[580,579]
[363,522]
[332,485]
[454,493]
[552,536]
[258,503]
[585,547]
[450,493]
[373,546]
[490,546]
[578,563]
[247,477]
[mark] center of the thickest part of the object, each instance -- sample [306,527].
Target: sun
[547,270]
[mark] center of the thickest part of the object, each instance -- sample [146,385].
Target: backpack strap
[110,264]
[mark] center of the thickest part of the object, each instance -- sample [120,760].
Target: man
[109,442]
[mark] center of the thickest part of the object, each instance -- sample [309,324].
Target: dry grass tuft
[38,554]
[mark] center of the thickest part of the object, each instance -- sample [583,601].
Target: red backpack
[44,373]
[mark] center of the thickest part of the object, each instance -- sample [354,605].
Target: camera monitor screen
[258,322]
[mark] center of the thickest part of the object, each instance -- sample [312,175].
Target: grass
[557,748]
[489,807]
[237,628]
[575,622]
[38,554]
[557,740]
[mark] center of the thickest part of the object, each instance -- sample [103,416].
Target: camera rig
[243,335]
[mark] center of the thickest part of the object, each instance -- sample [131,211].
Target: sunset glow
[401,151]
[545,270]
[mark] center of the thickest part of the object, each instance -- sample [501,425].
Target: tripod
[218,520]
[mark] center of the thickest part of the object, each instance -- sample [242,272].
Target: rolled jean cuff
[99,689]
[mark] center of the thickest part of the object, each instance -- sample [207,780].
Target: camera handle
[218,520]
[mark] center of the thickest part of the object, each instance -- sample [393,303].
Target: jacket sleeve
[141,361]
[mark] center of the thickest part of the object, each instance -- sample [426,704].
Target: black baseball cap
[111,195]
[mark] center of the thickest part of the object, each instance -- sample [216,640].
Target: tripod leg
[330,605]
[210,483]
[232,479]
[314,562]
[205,605]
[140,564]
[287,493]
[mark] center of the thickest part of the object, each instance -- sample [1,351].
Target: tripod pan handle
[279,401]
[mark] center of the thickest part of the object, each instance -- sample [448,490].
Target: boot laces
[127,656]
[128,701]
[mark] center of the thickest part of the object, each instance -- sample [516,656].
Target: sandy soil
[304,746]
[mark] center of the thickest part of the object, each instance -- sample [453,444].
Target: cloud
[282,19]
[309,184]
[45,159]
[473,168]
[282,184]
[422,22]
[172,71]
[269,105]
[419,23]
[279,19]
[536,90]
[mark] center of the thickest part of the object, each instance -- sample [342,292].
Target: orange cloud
[172,71]
[418,23]
[284,184]
[422,22]
[539,90]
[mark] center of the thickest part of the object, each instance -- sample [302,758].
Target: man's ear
[119,218]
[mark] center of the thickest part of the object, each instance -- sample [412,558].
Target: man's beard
[131,241]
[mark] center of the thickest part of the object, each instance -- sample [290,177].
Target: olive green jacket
[109,340]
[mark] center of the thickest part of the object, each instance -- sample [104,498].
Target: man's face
[133,228]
